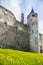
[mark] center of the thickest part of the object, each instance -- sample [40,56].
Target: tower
[32,22]
[22,17]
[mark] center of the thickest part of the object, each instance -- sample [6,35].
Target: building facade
[17,35]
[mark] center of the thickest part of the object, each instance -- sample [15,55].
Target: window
[32,31]
[4,24]
[1,46]
[18,43]
[32,24]
[41,50]
[33,15]
[0,16]
[16,28]
[37,30]
[14,38]
[6,9]
[30,19]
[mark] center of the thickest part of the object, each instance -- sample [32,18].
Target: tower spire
[32,11]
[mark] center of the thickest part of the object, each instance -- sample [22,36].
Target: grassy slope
[14,57]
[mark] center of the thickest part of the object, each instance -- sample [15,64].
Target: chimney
[22,17]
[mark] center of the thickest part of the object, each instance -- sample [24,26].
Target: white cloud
[16,8]
[41,26]
[40,15]
[28,6]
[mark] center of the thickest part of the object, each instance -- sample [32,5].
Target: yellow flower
[1,55]
[14,62]
[4,63]
[9,58]
[18,62]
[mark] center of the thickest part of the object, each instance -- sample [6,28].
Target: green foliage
[14,57]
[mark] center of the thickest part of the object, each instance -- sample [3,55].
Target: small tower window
[33,15]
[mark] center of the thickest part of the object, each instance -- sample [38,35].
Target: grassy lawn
[14,57]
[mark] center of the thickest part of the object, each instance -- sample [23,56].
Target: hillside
[14,57]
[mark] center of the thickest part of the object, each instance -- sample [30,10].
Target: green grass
[14,57]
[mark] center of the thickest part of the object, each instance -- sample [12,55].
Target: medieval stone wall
[7,16]
[17,35]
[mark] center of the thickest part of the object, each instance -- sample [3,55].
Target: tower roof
[32,11]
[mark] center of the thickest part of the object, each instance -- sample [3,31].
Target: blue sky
[25,6]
